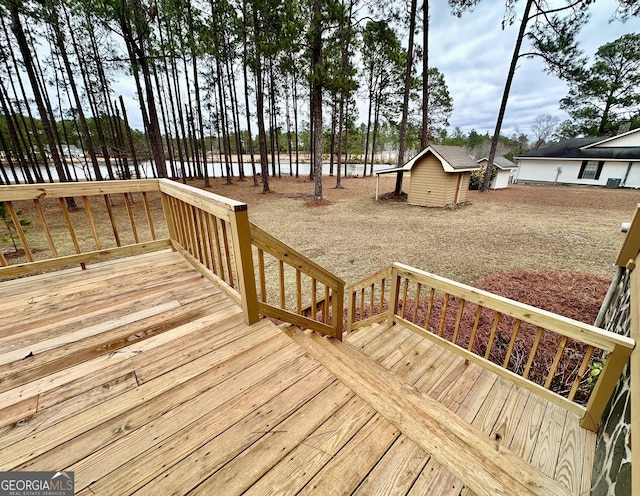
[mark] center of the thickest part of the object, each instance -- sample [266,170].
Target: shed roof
[500,162]
[452,158]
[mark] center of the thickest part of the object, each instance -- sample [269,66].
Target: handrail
[331,299]
[212,233]
[133,228]
[438,308]
[378,284]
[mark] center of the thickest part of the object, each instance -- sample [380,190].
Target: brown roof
[453,158]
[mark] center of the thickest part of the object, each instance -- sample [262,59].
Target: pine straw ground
[574,295]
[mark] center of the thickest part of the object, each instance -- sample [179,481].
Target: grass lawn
[521,228]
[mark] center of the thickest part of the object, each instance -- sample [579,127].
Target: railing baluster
[371,301]
[263,290]
[216,235]
[67,218]
[458,320]
[112,218]
[45,226]
[92,224]
[474,331]
[281,281]
[3,261]
[415,310]
[581,371]
[299,291]
[197,233]
[147,209]
[131,219]
[225,238]
[532,353]
[427,319]
[404,298]
[512,342]
[382,293]
[444,314]
[18,227]
[325,305]
[492,336]
[314,297]
[207,240]
[556,361]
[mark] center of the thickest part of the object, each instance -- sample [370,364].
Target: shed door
[459,182]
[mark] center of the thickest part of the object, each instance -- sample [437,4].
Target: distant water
[83,171]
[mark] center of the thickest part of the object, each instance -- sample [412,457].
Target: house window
[590,169]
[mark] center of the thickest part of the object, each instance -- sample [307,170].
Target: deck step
[482,464]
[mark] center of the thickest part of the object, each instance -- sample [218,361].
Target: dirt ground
[521,228]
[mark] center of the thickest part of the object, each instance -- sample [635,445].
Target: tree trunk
[505,97]
[23,46]
[315,29]
[246,91]
[262,140]
[60,42]
[405,103]
[424,136]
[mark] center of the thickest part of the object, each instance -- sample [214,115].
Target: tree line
[243,80]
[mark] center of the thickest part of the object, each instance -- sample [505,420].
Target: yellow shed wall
[430,185]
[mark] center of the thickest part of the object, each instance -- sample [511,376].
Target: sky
[474,55]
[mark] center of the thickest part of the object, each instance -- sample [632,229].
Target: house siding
[501,180]
[632,177]
[545,171]
[632,139]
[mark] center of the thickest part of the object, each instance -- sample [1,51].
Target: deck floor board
[144,379]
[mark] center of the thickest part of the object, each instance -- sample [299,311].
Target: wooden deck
[140,376]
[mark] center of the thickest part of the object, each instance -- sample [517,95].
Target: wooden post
[605,385]
[243,255]
[168,217]
[393,295]
[351,310]
[337,302]
[634,372]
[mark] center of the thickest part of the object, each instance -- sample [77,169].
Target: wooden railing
[502,335]
[112,218]
[318,299]
[116,218]
[212,232]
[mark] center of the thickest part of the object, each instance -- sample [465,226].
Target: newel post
[394,291]
[243,256]
[605,385]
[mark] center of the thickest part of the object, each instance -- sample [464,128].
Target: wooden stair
[481,463]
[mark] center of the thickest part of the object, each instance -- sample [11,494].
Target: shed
[504,171]
[439,176]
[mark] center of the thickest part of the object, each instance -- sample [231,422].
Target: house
[505,168]
[439,176]
[592,161]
